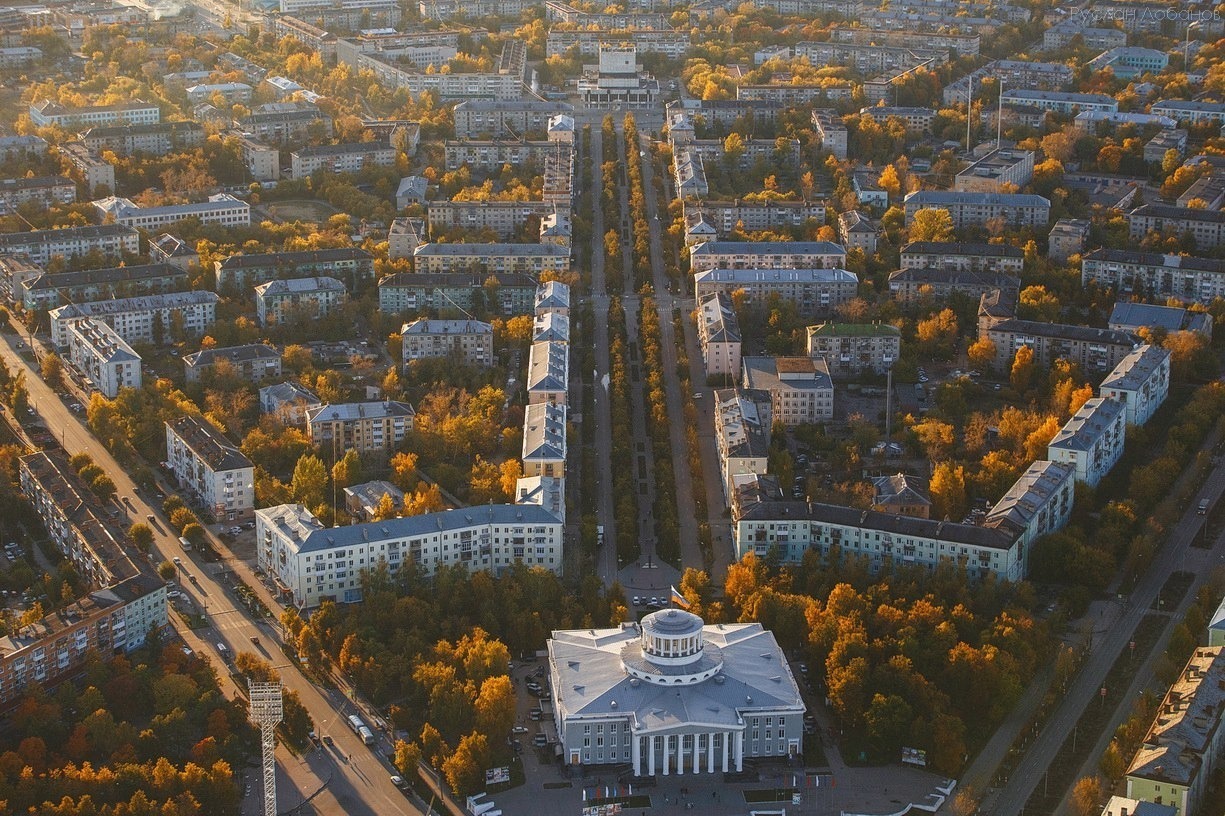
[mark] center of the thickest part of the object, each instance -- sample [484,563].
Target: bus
[366,734]
[355,722]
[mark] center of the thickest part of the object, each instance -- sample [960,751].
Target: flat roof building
[850,349]
[800,388]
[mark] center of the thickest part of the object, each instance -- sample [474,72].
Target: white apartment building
[280,300]
[719,334]
[815,292]
[340,158]
[530,259]
[1140,382]
[97,174]
[505,218]
[133,318]
[1039,502]
[104,357]
[467,341]
[497,119]
[490,155]
[49,113]
[366,427]
[554,297]
[996,172]
[742,435]
[800,388]
[963,257]
[548,373]
[222,208]
[1207,227]
[1190,111]
[766,255]
[544,440]
[40,246]
[210,469]
[976,209]
[1092,440]
[1059,102]
[551,327]
[263,161]
[311,563]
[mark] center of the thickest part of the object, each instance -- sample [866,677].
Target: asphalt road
[360,781]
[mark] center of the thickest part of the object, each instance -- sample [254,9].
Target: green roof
[855,330]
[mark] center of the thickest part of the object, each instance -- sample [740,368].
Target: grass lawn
[300,209]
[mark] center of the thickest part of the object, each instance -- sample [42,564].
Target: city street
[359,781]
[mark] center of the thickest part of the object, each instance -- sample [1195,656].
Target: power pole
[267,709]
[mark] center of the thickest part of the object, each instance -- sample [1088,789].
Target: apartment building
[1191,112]
[1140,383]
[976,209]
[1039,502]
[719,335]
[1095,350]
[263,161]
[115,619]
[788,529]
[15,273]
[1058,101]
[1067,238]
[544,440]
[1155,275]
[49,290]
[548,373]
[1014,74]
[742,435]
[531,259]
[240,272]
[917,283]
[850,349]
[467,341]
[551,328]
[311,563]
[766,255]
[1207,227]
[831,132]
[253,363]
[143,319]
[102,356]
[901,494]
[320,39]
[480,118]
[284,123]
[490,155]
[298,298]
[289,401]
[815,292]
[670,43]
[1182,749]
[366,427]
[112,240]
[917,120]
[1092,440]
[1061,34]
[497,85]
[552,297]
[215,474]
[340,158]
[1129,62]
[857,231]
[231,93]
[404,235]
[21,147]
[787,95]
[505,218]
[997,172]
[173,251]
[1129,316]
[222,209]
[154,139]
[800,388]
[963,257]
[456,293]
[965,45]
[97,174]
[49,113]
[42,190]
[871,59]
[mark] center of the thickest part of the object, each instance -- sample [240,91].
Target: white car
[519,729]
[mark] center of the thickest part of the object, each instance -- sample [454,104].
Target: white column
[710,752]
[665,738]
[727,736]
[651,756]
[697,759]
[636,753]
[739,751]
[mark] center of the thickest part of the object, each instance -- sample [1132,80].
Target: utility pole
[267,709]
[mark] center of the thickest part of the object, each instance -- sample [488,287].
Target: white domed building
[672,695]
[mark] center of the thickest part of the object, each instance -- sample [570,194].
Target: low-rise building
[963,257]
[497,119]
[145,319]
[548,373]
[363,500]
[791,528]
[45,191]
[97,174]
[765,255]
[999,171]
[366,427]
[1207,227]
[976,209]
[1092,440]
[466,341]
[350,264]
[49,290]
[287,123]
[113,241]
[404,235]
[1155,275]
[850,349]
[1039,502]
[222,209]
[298,298]
[902,495]
[311,563]
[917,120]
[1129,62]
[1163,142]
[544,440]
[455,293]
[551,327]
[340,158]
[490,155]
[815,292]
[1191,112]
[102,356]
[753,216]
[1059,101]
[1067,238]
[1095,350]
[531,259]
[263,161]
[719,336]
[253,363]
[49,113]
[857,231]
[939,283]
[800,388]
[1141,382]
[552,297]
[412,190]
[289,401]
[1128,316]
[743,422]
[210,469]
[505,218]
[173,250]
[1183,747]
[831,132]
[231,93]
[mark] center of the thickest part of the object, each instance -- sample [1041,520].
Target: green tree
[141,535]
